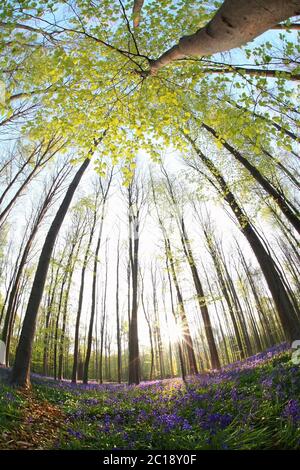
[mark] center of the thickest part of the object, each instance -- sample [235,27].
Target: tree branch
[233,25]
[137,7]
[291,26]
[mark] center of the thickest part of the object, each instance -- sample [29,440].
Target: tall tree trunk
[187,338]
[214,357]
[49,305]
[57,321]
[186,245]
[285,308]
[93,306]
[103,318]
[38,219]
[80,301]
[135,198]
[21,369]
[157,333]
[167,245]
[277,126]
[217,314]
[279,199]
[134,361]
[169,337]
[71,267]
[119,348]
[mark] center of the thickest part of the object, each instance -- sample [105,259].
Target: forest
[149,225]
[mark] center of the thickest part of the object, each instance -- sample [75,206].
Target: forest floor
[253,404]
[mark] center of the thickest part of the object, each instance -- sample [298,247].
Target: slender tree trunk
[169,338]
[57,321]
[279,199]
[283,168]
[167,245]
[40,215]
[71,267]
[186,245]
[157,333]
[184,322]
[103,320]
[80,301]
[225,291]
[93,307]
[41,162]
[119,348]
[217,314]
[147,318]
[277,126]
[135,203]
[50,303]
[214,357]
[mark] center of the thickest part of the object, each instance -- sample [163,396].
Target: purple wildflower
[76,434]
[292,411]
[186,425]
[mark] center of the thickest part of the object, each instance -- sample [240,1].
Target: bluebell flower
[186,425]
[292,411]
[76,434]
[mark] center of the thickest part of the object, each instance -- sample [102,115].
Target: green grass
[256,406]
[12,408]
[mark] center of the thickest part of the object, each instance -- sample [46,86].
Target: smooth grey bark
[234,24]
[135,200]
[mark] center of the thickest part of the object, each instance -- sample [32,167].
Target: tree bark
[119,348]
[135,202]
[214,357]
[255,72]
[186,245]
[103,320]
[225,291]
[41,213]
[134,361]
[265,184]
[136,11]
[50,302]
[80,302]
[93,307]
[282,301]
[71,267]
[234,24]
[21,369]
[187,338]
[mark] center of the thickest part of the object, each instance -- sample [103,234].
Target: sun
[175,332]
